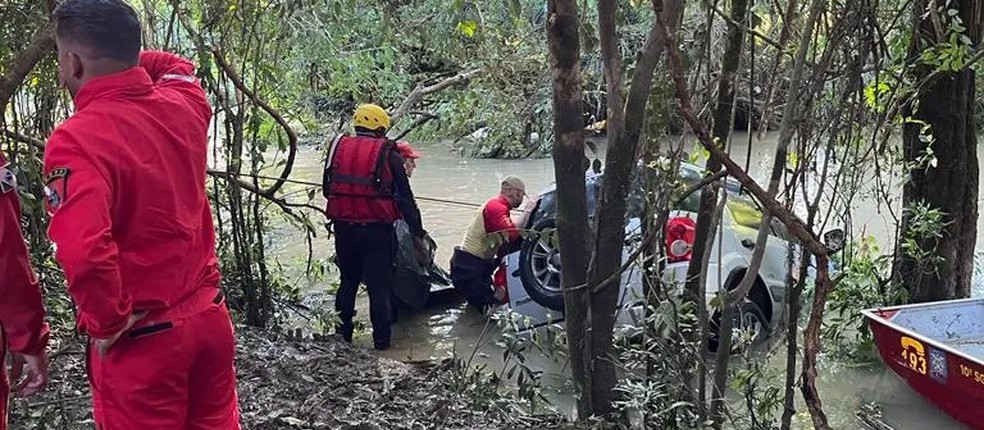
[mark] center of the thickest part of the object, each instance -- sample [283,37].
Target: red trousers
[168,373]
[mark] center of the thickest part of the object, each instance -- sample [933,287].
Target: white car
[533,272]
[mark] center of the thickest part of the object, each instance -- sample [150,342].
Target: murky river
[446,329]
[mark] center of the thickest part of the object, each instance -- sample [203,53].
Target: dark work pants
[472,278]
[365,254]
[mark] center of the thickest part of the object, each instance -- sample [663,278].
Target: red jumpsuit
[22,325]
[131,223]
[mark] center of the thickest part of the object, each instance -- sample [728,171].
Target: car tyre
[539,266]
[749,315]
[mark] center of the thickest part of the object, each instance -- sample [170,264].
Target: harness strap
[385,188]
[326,177]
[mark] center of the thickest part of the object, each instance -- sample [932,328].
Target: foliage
[925,226]
[864,273]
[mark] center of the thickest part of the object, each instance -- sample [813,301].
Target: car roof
[731,186]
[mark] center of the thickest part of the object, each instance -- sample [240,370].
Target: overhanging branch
[43,43]
[417,95]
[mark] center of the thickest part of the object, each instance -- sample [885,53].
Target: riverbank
[306,384]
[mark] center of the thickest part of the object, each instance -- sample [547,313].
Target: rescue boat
[938,349]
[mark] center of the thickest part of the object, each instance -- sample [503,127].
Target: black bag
[415,271]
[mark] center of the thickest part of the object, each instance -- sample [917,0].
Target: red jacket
[21,311]
[125,183]
[497,220]
[360,187]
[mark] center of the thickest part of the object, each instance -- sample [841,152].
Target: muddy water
[452,328]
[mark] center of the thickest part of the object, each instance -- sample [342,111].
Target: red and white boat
[938,349]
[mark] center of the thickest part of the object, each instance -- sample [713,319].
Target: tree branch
[43,43]
[417,95]
[705,181]
[795,226]
[280,202]
[291,134]
[23,138]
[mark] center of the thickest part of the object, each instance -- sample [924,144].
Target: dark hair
[377,132]
[110,28]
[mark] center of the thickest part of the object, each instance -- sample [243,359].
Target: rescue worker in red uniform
[131,223]
[367,188]
[410,157]
[489,238]
[22,326]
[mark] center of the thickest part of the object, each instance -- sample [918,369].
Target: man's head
[409,157]
[370,118]
[95,38]
[514,190]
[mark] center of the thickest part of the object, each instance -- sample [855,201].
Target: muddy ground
[324,384]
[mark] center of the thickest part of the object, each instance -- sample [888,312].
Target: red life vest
[358,181]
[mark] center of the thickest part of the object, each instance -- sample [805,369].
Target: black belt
[166,325]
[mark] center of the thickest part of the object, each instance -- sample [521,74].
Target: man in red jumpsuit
[485,243]
[22,325]
[131,223]
[367,188]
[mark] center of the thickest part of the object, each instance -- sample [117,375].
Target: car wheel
[749,318]
[539,266]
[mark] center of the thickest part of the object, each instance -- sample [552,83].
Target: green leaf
[467,27]
[515,9]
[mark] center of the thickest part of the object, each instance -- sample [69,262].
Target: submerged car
[534,270]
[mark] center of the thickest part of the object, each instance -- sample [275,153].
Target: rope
[316,184]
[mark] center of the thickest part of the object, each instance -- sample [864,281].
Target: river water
[451,328]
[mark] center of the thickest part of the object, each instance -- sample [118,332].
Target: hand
[103,345]
[28,373]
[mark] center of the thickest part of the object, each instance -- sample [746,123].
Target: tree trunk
[947,106]
[609,215]
[625,121]
[795,226]
[43,43]
[569,166]
[721,130]
[723,119]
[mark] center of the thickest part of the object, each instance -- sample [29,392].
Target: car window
[689,178]
[745,211]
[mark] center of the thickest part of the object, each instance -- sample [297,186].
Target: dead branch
[43,43]
[417,95]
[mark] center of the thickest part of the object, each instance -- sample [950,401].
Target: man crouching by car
[491,236]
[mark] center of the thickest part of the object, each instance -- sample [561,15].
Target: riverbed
[453,328]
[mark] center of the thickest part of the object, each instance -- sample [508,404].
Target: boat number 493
[914,354]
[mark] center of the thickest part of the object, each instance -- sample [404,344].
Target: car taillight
[680,234]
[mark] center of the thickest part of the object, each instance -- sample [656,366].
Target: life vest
[358,183]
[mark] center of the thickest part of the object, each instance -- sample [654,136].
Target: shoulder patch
[8,180]
[177,77]
[55,188]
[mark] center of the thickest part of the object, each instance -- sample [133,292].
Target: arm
[404,195]
[82,231]
[497,219]
[160,63]
[21,310]
[169,71]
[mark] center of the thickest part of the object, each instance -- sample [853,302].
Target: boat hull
[946,378]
